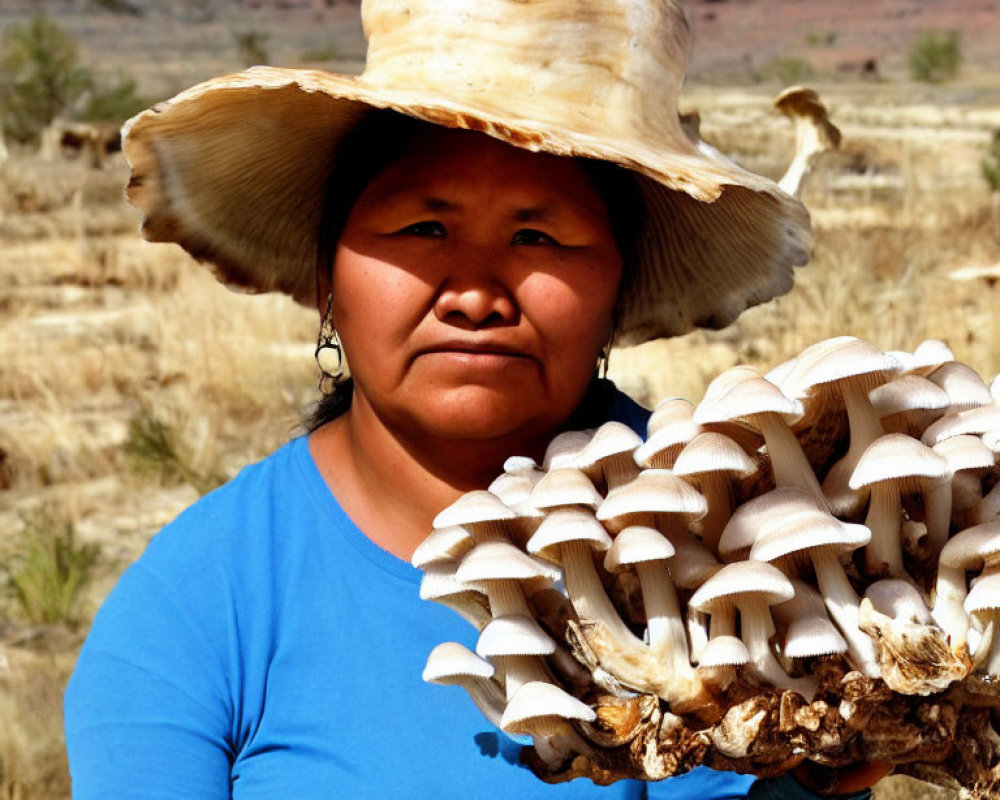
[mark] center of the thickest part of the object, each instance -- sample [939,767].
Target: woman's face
[474,285]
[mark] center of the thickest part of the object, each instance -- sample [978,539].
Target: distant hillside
[169,44]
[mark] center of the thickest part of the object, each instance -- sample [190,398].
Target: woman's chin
[485,413]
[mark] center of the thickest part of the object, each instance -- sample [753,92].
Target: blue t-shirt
[264,647]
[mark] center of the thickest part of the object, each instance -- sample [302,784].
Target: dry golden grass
[98,330]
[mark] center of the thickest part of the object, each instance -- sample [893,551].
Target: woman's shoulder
[242,507]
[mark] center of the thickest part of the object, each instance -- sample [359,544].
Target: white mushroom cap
[738,581]
[451,661]
[724,651]
[962,383]
[608,457]
[977,420]
[514,635]
[992,439]
[752,586]
[929,355]
[521,465]
[896,457]
[669,411]
[995,389]
[654,491]
[452,664]
[900,600]
[670,427]
[637,545]
[442,544]
[492,561]
[564,449]
[472,507]
[713,452]
[741,393]
[535,700]
[823,537]
[834,360]
[799,533]
[813,636]
[512,488]
[891,465]
[966,550]
[542,710]
[569,524]
[983,602]
[743,527]
[909,404]
[808,630]
[440,585]
[965,452]
[565,486]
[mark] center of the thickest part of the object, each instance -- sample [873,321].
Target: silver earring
[329,353]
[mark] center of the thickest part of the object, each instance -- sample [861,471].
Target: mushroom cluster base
[804,565]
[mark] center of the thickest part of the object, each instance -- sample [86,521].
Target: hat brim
[235,170]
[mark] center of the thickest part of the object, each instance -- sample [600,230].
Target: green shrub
[113,101]
[787,70]
[40,77]
[991,164]
[48,569]
[155,449]
[935,57]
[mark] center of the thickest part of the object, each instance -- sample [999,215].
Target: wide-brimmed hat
[235,169]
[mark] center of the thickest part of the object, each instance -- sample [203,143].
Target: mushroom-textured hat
[236,169]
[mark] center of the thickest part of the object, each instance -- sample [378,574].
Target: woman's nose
[475,298]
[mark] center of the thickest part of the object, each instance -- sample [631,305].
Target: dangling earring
[602,361]
[329,353]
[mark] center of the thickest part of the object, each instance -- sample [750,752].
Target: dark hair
[382,138]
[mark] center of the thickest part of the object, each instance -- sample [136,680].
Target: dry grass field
[130,382]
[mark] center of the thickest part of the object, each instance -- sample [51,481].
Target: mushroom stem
[723,623]
[862,420]
[950,592]
[789,463]
[718,493]
[663,620]
[842,602]
[587,594]
[506,598]
[937,517]
[756,628]
[884,554]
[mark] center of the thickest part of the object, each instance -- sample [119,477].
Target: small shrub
[40,77]
[935,57]
[252,47]
[113,102]
[991,164]
[154,449]
[48,569]
[787,70]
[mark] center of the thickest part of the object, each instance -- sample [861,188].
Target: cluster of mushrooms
[805,565]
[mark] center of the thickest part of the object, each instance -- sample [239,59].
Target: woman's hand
[828,781]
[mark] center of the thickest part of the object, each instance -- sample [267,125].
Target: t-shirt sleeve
[148,712]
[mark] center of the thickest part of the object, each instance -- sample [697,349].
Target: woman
[269,643]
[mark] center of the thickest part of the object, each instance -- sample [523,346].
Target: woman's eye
[428,228]
[532,236]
